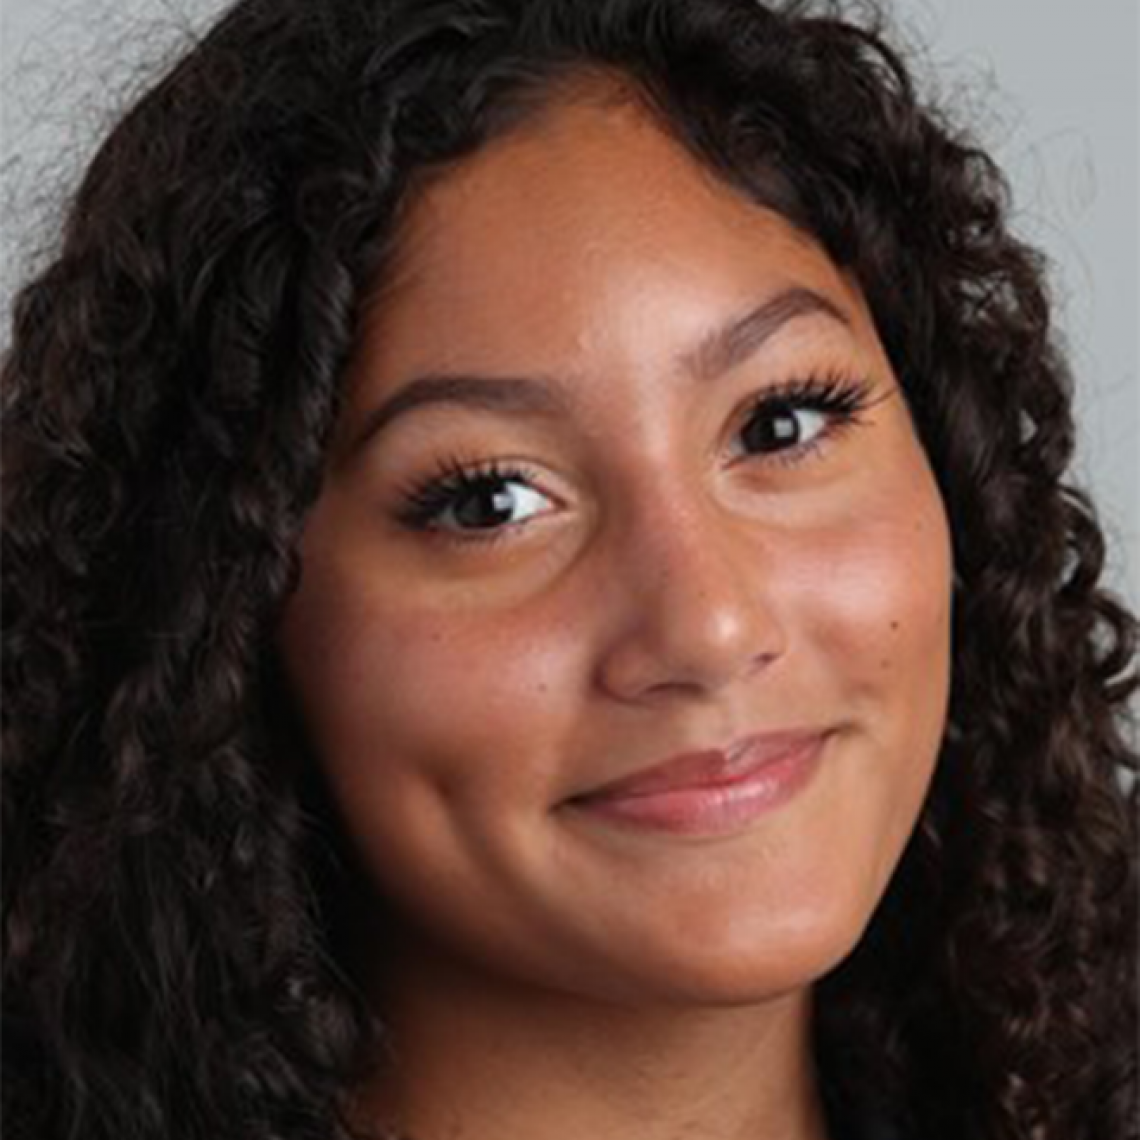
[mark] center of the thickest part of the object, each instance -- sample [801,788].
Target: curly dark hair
[170,883]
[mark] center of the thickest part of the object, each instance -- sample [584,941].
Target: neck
[480,1057]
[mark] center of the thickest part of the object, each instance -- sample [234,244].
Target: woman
[543,601]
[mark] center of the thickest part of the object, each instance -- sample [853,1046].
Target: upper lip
[709,768]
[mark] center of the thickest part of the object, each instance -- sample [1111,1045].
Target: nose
[692,609]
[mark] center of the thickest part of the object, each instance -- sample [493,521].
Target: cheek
[433,698]
[881,613]
[883,636]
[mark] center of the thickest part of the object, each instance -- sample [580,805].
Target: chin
[746,966]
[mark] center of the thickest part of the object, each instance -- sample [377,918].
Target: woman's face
[681,530]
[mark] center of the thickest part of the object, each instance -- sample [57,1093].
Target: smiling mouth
[710,768]
[709,792]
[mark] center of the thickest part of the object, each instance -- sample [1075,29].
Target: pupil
[777,429]
[478,508]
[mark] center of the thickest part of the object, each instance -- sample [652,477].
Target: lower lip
[714,809]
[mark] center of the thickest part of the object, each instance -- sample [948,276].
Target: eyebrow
[719,351]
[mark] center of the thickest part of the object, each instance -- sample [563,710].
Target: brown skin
[662,589]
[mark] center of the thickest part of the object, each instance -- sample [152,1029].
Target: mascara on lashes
[839,398]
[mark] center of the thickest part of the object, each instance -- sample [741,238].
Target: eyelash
[839,398]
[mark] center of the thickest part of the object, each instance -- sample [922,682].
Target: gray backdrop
[1053,88]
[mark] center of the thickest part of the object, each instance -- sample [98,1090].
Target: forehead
[553,241]
[603,169]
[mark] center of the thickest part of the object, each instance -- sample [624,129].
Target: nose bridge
[682,542]
[694,606]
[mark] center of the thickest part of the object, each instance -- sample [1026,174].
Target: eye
[463,501]
[783,425]
[466,503]
[789,421]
